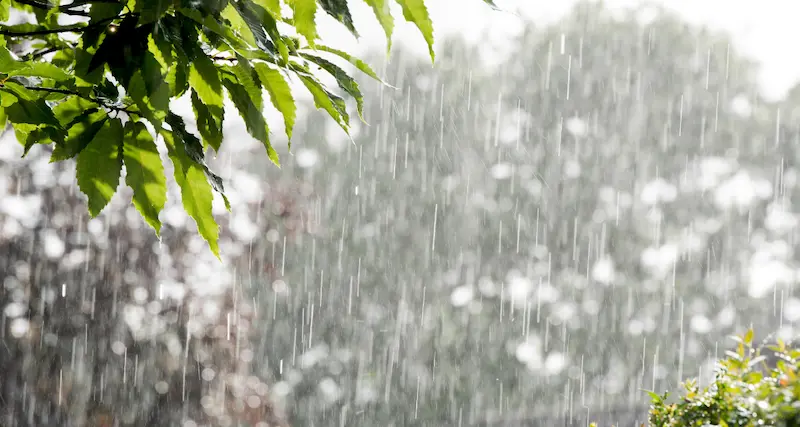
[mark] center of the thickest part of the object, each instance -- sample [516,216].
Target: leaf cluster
[746,391]
[99,90]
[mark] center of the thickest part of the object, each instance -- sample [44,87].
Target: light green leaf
[5,7]
[384,15]
[99,166]
[209,121]
[196,194]
[204,78]
[2,120]
[7,61]
[144,173]
[280,94]
[305,12]
[40,69]
[273,6]
[414,11]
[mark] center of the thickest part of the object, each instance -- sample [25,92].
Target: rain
[531,232]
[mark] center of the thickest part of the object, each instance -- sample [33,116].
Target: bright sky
[763,29]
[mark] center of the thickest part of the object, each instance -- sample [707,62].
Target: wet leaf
[196,195]
[99,166]
[280,94]
[144,173]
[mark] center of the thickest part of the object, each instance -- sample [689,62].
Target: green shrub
[751,387]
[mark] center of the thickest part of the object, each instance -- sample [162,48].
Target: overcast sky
[763,29]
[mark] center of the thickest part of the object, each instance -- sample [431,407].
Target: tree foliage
[100,89]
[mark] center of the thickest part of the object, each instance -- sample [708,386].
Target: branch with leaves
[103,97]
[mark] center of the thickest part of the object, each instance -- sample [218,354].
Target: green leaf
[144,173]
[323,99]
[40,69]
[153,10]
[99,166]
[273,6]
[2,120]
[361,65]
[247,78]
[81,130]
[5,8]
[152,104]
[305,12]
[196,194]
[338,10]
[280,94]
[209,121]
[346,83]
[748,337]
[32,112]
[414,11]
[384,15]
[204,78]
[252,115]
[7,61]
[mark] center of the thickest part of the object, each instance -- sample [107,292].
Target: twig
[88,98]
[67,29]
[36,55]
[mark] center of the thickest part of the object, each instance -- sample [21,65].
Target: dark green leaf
[323,99]
[338,10]
[144,173]
[99,166]
[81,131]
[209,121]
[252,115]
[346,83]
[361,65]
[32,112]
[153,10]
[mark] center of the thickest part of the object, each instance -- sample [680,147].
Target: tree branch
[88,98]
[67,29]
[63,9]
